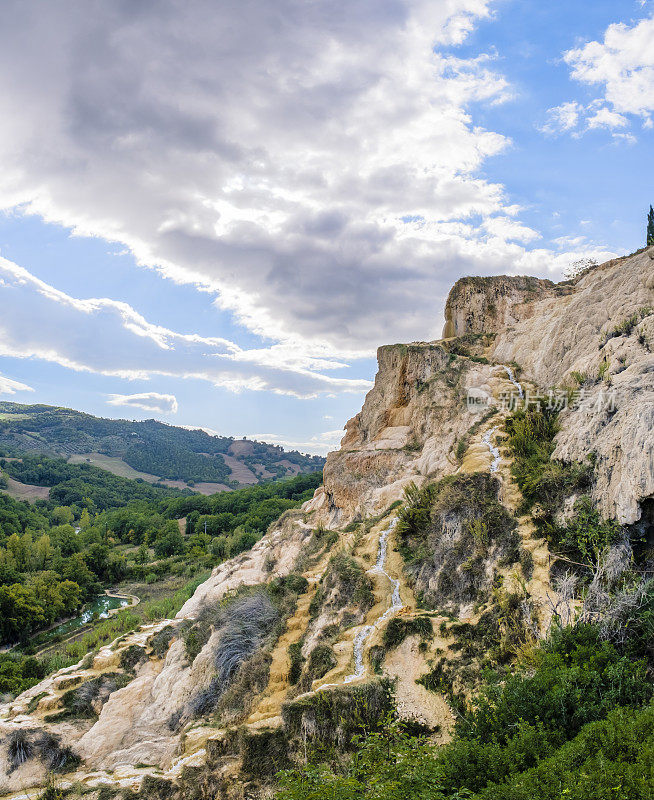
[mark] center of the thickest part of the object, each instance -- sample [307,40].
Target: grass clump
[19,749]
[55,756]
[82,702]
[296,660]
[321,660]
[450,532]
[626,326]
[241,626]
[131,657]
[263,753]
[400,628]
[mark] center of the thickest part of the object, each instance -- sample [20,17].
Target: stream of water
[518,386]
[396,604]
[486,439]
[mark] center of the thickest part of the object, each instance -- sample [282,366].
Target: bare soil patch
[240,472]
[25,491]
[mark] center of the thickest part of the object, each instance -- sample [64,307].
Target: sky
[213,213]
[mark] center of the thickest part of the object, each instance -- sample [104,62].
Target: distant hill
[150,450]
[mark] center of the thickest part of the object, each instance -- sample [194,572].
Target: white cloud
[111,338]
[148,401]
[9,386]
[622,66]
[562,118]
[605,118]
[313,164]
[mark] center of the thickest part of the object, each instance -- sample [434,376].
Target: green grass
[541,480]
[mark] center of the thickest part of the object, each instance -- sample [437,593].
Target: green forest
[98,530]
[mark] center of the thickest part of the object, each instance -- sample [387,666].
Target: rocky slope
[338,602]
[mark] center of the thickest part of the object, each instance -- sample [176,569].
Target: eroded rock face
[557,334]
[406,431]
[568,341]
[491,305]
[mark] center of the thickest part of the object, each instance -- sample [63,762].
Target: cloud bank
[9,386]
[109,337]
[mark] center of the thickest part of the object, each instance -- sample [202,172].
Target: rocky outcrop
[598,341]
[491,305]
[594,335]
[407,430]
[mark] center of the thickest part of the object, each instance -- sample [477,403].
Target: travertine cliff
[491,305]
[561,336]
[593,337]
[599,339]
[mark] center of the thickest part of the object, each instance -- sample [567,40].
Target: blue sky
[214,213]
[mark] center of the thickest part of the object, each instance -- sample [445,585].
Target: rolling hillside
[150,450]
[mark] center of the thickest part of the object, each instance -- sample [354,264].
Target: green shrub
[131,657]
[321,660]
[160,641]
[531,435]
[552,744]
[332,717]
[578,679]
[399,628]
[449,531]
[526,563]
[606,760]
[585,535]
[296,662]
[263,752]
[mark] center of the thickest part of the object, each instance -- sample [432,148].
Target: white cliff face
[272,556]
[493,304]
[406,431]
[564,341]
[557,334]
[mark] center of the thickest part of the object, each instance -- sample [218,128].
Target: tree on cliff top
[650,227]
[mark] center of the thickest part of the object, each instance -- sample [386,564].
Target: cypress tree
[650,227]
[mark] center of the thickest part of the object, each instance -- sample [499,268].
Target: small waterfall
[518,386]
[396,604]
[486,439]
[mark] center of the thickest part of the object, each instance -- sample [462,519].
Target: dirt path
[407,665]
